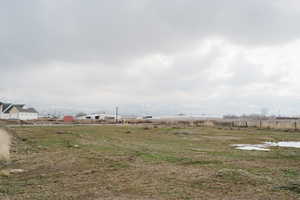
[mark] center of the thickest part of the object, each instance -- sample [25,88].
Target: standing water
[265,146]
[284,144]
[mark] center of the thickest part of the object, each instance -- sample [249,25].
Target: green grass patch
[157,157]
[291,172]
[203,162]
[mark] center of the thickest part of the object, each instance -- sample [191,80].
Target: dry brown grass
[109,162]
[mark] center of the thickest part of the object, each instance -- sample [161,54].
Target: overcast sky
[155,56]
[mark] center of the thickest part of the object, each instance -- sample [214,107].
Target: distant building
[145,117]
[98,117]
[17,111]
[129,117]
[69,119]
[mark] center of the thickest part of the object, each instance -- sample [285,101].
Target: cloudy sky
[155,56]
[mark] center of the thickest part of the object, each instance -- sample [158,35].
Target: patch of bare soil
[4,144]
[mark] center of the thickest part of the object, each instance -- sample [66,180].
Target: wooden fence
[271,124]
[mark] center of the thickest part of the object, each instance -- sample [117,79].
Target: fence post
[260,124]
[295,125]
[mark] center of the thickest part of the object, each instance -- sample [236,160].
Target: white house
[17,111]
[98,117]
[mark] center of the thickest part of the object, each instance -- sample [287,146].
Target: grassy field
[114,162]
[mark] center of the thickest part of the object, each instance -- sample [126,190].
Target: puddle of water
[251,147]
[265,146]
[284,144]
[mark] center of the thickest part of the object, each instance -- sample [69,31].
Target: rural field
[147,162]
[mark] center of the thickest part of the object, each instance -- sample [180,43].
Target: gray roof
[20,107]
[4,106]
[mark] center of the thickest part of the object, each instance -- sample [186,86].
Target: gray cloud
[73,31]
[107,52]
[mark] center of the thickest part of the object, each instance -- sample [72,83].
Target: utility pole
[117,112]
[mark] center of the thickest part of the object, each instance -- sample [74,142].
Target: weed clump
[182,132]
[241,176]
[63,132]
[291,186]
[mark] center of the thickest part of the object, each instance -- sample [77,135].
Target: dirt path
[4,144]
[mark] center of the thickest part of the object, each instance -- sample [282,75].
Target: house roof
[5,106]
[20,107]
